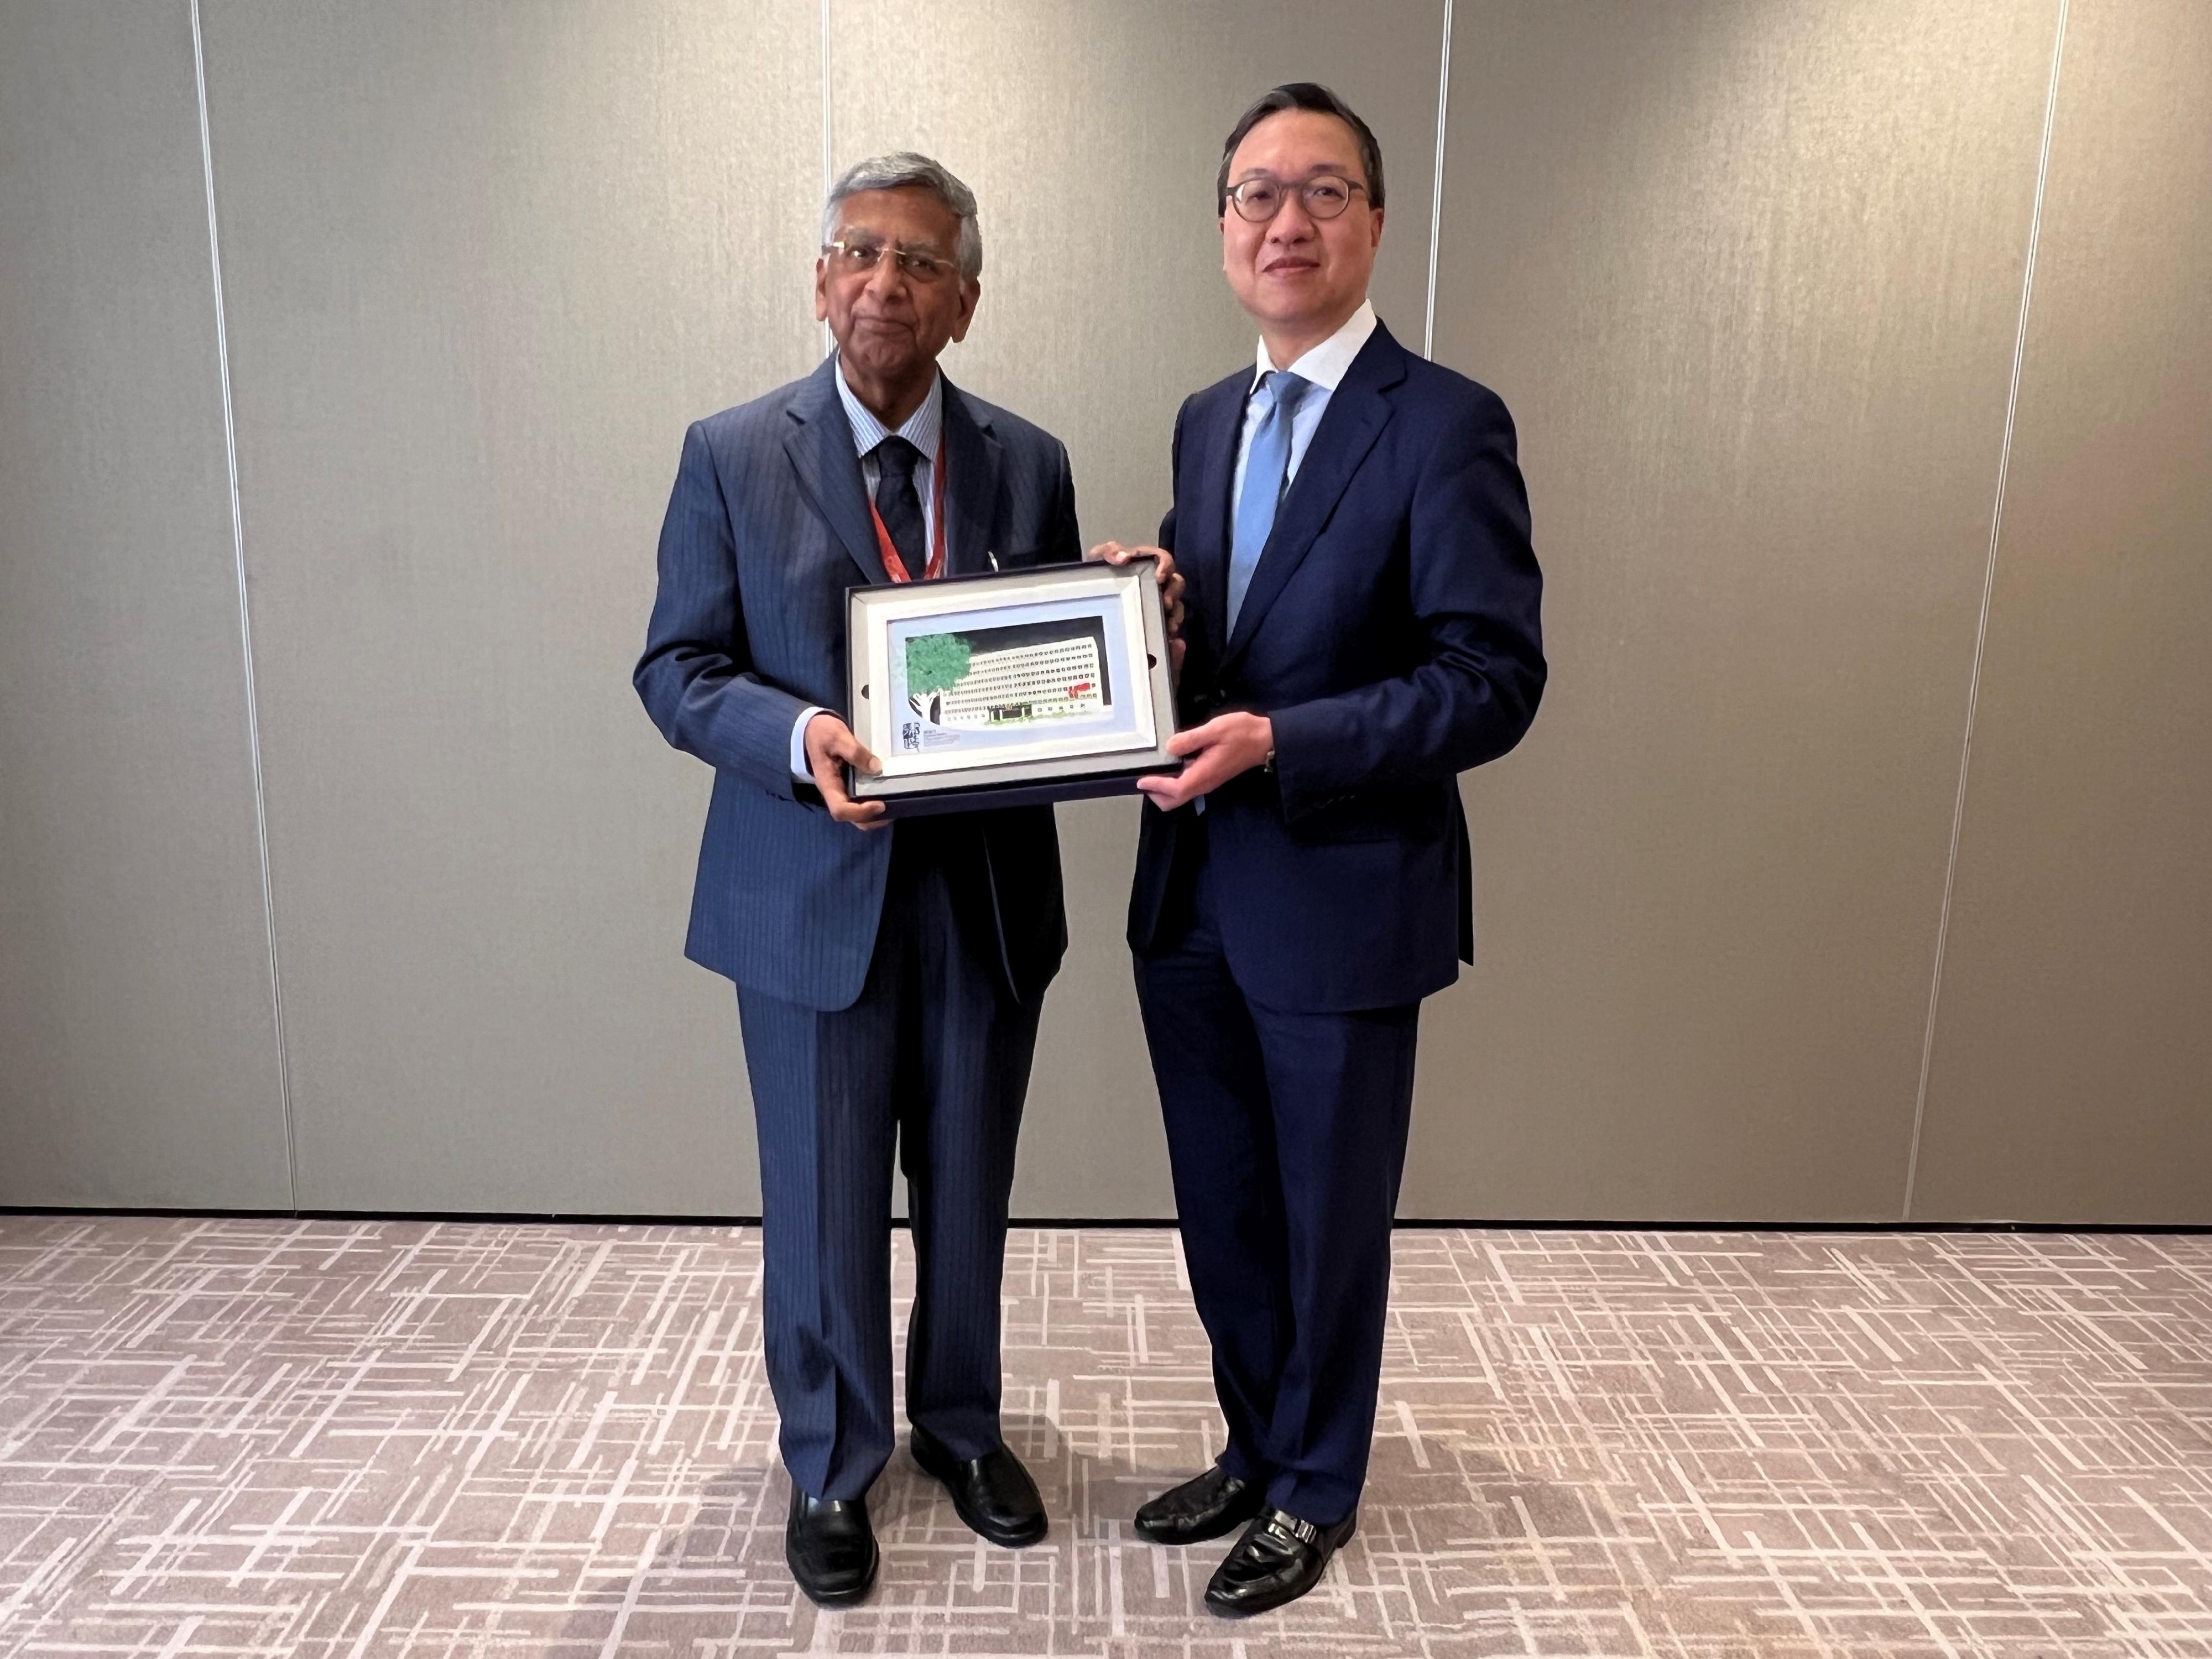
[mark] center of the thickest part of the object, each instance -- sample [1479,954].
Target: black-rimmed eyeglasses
[1323,197]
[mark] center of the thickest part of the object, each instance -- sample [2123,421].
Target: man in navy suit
[889,976]
[1361,601]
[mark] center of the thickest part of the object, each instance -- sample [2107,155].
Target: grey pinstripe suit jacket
[766,527]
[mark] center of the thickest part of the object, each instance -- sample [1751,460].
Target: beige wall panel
[2072,1075]
[1748,278]
[137,1054]
[486,262]
[1091,135]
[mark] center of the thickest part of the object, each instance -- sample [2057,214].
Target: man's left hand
[1223,747]
[1170,580]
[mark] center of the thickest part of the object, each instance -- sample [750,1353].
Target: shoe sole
[944,1475]
[841,1599]
[837,1598]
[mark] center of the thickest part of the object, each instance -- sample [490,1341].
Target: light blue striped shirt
[922,430]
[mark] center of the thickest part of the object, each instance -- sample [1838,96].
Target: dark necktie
[900,503]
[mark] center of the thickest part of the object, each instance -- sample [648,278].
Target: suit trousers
[1286,1133]
[934,1055]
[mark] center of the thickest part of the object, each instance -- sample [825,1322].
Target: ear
[821,290]
[971,292]
[1375,228]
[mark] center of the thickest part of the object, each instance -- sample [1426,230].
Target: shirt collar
[921,428]
[1327,364]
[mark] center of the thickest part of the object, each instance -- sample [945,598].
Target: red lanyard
[892,563]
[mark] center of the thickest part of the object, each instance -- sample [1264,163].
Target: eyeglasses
[1324,196]
[854,258]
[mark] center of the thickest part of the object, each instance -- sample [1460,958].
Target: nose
[886,280]
[1292,223]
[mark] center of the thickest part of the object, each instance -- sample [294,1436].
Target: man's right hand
[830,747]
[1170,580]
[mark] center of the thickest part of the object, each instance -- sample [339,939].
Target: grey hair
[900,170]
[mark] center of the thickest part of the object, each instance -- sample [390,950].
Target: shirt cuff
[799,769]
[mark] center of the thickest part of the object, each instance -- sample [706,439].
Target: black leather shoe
[830,1546]
[1278,1559]
[1215,1503]
[993,1494]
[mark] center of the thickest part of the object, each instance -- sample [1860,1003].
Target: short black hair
[1306,95]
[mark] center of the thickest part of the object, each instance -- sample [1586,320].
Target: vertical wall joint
[245,619]
[1982,622]
[1436,186]
[828,149]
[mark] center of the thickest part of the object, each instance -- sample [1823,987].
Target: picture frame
[1042,684]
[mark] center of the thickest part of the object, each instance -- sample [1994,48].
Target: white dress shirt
[922,430]
[1325,366]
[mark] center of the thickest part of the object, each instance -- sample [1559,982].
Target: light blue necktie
[1267,467]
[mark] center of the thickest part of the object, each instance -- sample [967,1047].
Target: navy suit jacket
[767,528]
[1391,633]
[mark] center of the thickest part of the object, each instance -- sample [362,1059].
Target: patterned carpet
[368,1439]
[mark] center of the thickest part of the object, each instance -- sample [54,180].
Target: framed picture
[1029,685]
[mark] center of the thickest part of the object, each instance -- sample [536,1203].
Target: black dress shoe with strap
[831,1548]
[993,1494]
[1278,1559]
[1215,1503]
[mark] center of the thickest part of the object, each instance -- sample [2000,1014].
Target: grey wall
[1760,346]
[137,1052]
[1750,277]
[2072,1066]
[484,265]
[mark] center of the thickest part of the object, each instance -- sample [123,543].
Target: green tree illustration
[936,662]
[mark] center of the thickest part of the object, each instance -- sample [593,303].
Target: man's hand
[830,745]
[1170,582]
[1213,753]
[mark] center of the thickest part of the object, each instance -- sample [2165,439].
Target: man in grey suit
[889,976]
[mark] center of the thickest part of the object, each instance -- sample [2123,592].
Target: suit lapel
[1357,413]
[820,445]
[1204,549]
[972,456]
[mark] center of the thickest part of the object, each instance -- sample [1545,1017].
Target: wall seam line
[1436,186]
[829,150]
[245,621]
[1982,621]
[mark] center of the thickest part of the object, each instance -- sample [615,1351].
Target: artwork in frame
[1028,685]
